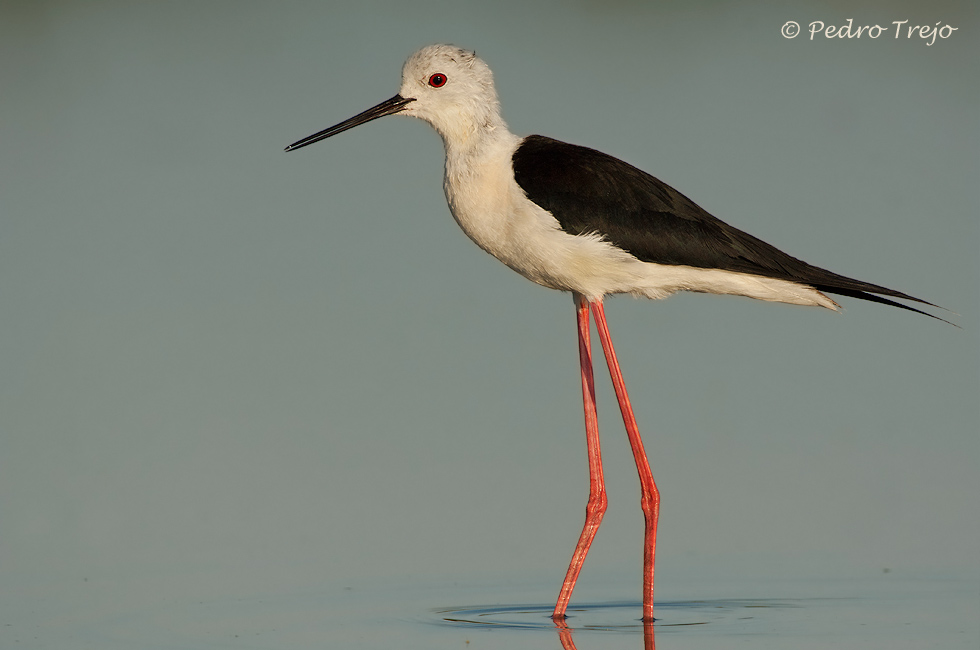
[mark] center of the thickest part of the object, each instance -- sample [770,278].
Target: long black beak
[389,107]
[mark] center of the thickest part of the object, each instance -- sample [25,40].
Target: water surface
[879,613]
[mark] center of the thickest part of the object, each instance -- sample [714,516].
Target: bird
[575,219]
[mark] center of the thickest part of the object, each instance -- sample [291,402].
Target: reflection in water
[565,636]
[735,615]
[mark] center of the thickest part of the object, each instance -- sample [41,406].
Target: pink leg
[596,506]
[649,494]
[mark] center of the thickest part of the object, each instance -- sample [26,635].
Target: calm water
[239,386]
[887,612]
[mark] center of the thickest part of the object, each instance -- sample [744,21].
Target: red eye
[438,80]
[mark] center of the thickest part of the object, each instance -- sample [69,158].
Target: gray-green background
[226,369]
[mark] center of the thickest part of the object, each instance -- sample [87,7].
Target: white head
[448,87]
[453,91]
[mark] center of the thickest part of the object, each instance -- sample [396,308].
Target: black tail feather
[864,295]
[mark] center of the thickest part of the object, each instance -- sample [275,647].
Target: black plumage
[588,191]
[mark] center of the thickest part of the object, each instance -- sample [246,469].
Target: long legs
[596,507]
[649,495]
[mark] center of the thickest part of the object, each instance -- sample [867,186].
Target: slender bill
[388,107]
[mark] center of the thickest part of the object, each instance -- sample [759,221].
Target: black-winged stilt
[575,219]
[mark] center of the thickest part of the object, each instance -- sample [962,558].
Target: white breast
[494,212]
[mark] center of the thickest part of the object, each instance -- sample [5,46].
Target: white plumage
[495,213]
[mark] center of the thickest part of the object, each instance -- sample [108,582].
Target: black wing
[588,191]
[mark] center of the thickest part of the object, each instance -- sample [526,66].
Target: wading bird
[574,219]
